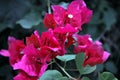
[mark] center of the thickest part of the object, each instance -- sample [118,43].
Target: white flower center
[38,48]
[70,16]
[90,39]
[21,52]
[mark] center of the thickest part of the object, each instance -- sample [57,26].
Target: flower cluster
[31,56]
[94,51]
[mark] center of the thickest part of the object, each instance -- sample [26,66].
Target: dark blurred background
[19,18]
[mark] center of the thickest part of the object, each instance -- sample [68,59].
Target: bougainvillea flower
[94,51]
[82,42]
[48,39]
[33,40]
[95,54]
[31,62]
[47,43]
[62,34]
[70,40]
[50,42]
[15,50]
[49,21]
[23,76]
[76,14]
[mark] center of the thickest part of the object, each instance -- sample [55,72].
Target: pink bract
[31,62]
[94,52]
[83,41]
[76,14]
[49,21]
[64,35]
[15,50]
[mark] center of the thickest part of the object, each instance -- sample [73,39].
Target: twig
[49,8]
[65,71]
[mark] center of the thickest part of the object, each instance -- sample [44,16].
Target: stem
[48,4]
[65,71]
[51,64]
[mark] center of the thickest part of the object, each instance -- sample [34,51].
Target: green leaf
[85,78]
[62,78]
[51,75]
[88,69]
[30,20]
[100,77]
[66,57]
[107,76]
[79,62]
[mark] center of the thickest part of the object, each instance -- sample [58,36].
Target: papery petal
[27,66]
[83,40]
[16,51]
[78,49]
[49,21]
[98,43]
[76,21]
[5,53]
[59,14]
[33,39]
[36,33]
[92,61]
[62,34]
[11,39]
[66,29]
[105,56]
[70,40]
[76,5]
[48,39]
[30,50]
[43,69]
[86,15]
[32,61]
[81,14]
